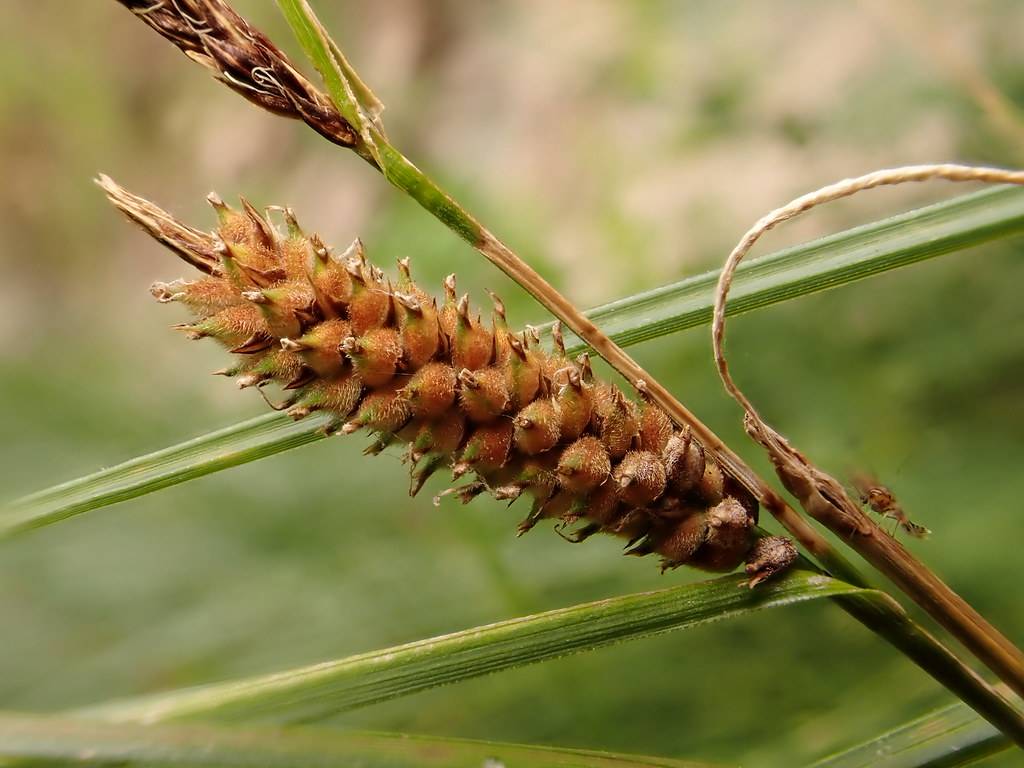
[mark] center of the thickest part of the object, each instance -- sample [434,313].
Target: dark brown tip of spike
[266,233]
[304,377]
[255,343]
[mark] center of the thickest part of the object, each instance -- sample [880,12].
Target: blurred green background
[616,146]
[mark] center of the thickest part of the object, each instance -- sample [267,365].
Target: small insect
[881,500]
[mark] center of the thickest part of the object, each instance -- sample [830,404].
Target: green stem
[407,177]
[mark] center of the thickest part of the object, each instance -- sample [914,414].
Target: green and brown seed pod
[478,399]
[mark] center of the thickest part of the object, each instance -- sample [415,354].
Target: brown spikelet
[203,297]
[232,326]
[431,390]
[655,429]
[375,355]
[320,347]
[472,345]
[369,307]
[640,477]
[461,393]
[384,409]
[618,423]
[575,401]
[487,449]
[584,465]
[536,427]
[483,394]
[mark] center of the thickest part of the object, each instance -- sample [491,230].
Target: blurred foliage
[616,147]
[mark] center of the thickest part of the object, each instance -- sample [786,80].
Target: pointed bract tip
[321,251]
[350,345]
[290,221]
[408,301]
[517,346]
[299,412]
[256,297]
[499,305]
[255,343]
[190,330]
[166,292]
[507,492]
[216,202]
[355,252]
[107,184]
[248,380]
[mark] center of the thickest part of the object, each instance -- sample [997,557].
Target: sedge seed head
[475,397]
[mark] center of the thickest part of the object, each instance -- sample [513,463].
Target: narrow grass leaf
[240,443]
[326,689]
[948,737]
[354,100]
[39,737]
[833,261]
[829,262]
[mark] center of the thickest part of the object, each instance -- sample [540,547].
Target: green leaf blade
[232,446]
[846,257]
[948,737]
[324,690]
[38,737]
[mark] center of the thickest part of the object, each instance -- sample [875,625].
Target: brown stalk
[821,495]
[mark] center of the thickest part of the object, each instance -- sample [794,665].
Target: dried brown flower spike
[458,391]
